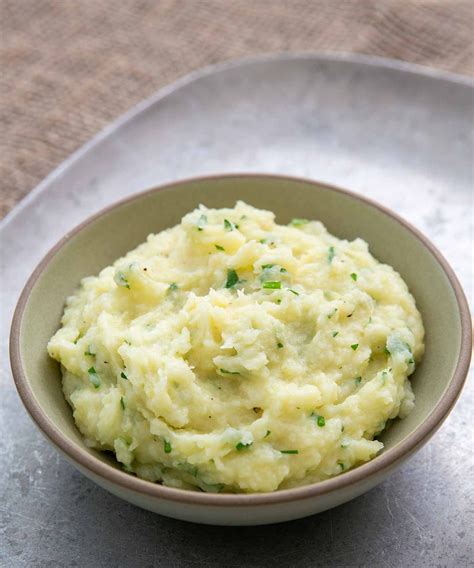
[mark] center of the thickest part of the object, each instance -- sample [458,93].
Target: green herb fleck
[331,313]
[289,452]
[344,445]
[283,269]
[94,378]
[358,380]
[122,403]
[354,346]
[173,287]
[127,341]
[298,222]
[202,222]
[229,226]
[89,353]
[278,301]
[386,351]
[218,247]
[262,241]
[124,376]
[232,278]
[121,280]
[242,446]
[331,254]
[267,266]
[334,333]
[166,446]
[354,276]
[267,434]
[229,372]
[293,292]
[320,420]
[272,285]
[341,465]
[280,345]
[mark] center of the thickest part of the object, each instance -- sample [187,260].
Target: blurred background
[69,67]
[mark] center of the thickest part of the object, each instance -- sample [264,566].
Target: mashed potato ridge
[233,354]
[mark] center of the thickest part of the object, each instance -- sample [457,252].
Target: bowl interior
[120,229]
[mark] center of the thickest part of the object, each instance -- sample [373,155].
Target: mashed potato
[233,354]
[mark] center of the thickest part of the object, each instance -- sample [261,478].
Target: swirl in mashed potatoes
[230,353]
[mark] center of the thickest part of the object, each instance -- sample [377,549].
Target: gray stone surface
[396,133]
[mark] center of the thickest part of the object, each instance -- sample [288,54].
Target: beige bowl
[106,236]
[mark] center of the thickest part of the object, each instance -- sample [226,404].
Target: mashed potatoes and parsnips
[233,354]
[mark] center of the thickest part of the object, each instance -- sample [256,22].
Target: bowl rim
[382,463]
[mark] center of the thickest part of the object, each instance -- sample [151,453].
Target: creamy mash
[233,354]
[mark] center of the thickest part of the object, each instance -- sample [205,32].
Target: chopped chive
[229,226]
[166,446]
[262,241]
[232,278]
[280,345]
[293,292]
[124,376]
[298,222]
[173,287]
[267,434]
[331,254]
[358,380]
[283,269]
[289,452]
[354,346]
[242,446]
[334,333]
[202,222]
[331,313]
[94,378]
[89,353]
[229,372]
[121,280]
[122,403]
[266,266]
[354,276]
[272,285]
[218,247]
[320,420]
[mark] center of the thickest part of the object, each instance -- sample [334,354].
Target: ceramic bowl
[117,229]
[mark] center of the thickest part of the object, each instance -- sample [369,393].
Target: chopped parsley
[278,301]
[334,333]
[232,278]
[272,285]
[298,222]
[354,346]
[166,446]
[229,372]
[331,254]
[268,433]
[280,345]
[283,269]
[262,241]
[242,446]
[354,276]
[124,376]
[218,247]
[173,287]
[358,380]
[229,226]
[320,420]
[202,222]
[289,452]
[267,266]
[121,280]
[122,403]
[94,378]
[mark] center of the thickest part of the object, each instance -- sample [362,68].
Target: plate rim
[360,59]
[378,466]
